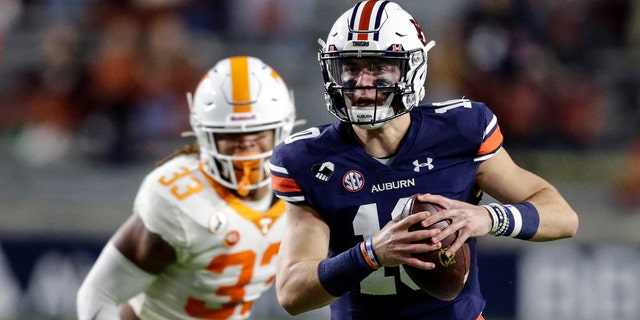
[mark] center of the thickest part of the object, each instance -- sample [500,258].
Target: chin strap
[248,172]
[377,113]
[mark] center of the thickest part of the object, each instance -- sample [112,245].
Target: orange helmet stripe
[275,75]
[241,91]
[365,18]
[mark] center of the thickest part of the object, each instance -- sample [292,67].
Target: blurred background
[92,94]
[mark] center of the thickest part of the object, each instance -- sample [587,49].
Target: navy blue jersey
[325,168]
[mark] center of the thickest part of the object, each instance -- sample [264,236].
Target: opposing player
[206,228]
[344,182]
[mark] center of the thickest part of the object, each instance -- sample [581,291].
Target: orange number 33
[189,187]
[246,259]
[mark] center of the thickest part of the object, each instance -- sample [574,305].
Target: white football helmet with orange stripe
[386,36]
[240,94]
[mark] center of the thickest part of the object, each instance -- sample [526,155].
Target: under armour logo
[396,47]
[418,165]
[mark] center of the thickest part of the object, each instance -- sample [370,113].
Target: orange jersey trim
[277,209]
[284,184]
[491,143]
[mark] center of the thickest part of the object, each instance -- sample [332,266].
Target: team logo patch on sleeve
[353,181]
[217,222]
[323,171]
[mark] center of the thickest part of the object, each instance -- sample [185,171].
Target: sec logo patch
[231,239]
[353,181]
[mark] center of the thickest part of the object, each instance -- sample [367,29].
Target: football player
[206,228]
[345,182]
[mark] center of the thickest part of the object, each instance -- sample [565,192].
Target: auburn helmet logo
[419,30]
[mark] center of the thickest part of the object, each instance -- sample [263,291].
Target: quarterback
[345,182]
[206,228]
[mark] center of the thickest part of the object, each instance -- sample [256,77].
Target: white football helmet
[240,94]
[383,32]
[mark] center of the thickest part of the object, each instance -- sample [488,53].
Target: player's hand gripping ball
[447,279]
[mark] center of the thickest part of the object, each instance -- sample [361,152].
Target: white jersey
[225,250]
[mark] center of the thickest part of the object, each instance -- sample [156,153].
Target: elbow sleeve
[112,280]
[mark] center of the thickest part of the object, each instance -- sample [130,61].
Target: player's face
[242,143]
[371,73]
[248,167]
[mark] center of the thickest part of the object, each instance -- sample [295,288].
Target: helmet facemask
[390,92]
[242,171]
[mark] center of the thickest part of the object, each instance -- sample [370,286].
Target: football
[447,279]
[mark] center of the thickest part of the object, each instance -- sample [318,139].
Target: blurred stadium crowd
[560,74]
[100,76]
[95,78]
